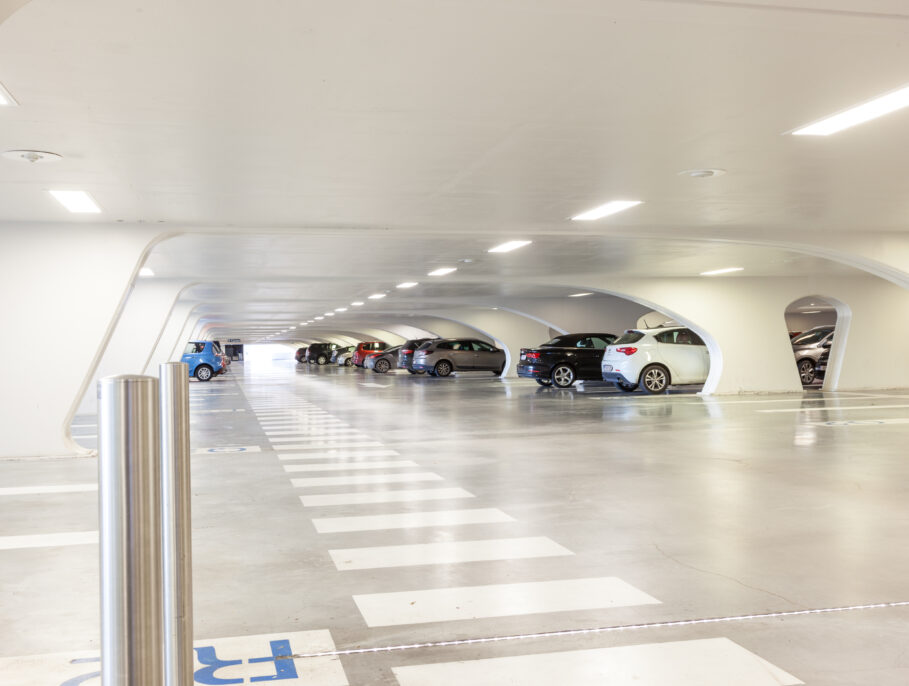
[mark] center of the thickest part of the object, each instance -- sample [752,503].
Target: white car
[344,359]
[655,358]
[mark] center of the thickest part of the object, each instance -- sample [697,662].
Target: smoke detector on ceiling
[32,156]
[702,173]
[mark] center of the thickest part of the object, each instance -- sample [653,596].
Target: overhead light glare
[442,271]
[292,328]
[317,318]
[509,246]
[377,296]
[885,104]
[579,295]
[408,284]
[811,312]
[78,202]
[6,100]
[340,309]
[609,208]
[357,303]
[329,314]
[727,270]
[146,271]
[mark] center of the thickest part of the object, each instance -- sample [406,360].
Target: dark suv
[405,355]
[319,353]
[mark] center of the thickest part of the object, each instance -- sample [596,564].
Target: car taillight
[532,356]
[407,352]
[627,349]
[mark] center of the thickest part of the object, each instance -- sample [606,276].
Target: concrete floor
[583,509]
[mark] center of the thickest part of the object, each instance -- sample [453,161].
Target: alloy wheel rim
[655,379]
[563,376]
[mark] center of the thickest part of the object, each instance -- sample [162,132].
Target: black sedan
[565,359]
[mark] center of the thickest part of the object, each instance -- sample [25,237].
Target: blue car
[205,359]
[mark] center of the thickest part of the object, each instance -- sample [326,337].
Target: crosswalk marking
[448,552]
[43,490]
[364,479]
[701,662]
[498,600]
[48,540]
[410,520]
[339,466]
[336,454]
[329,444]
[384,497]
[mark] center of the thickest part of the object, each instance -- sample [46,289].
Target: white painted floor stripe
[410,520]
[835,408]
[42,490]
[341,466]
[449,552]
[384,497]
[303,435]
[701,662]
[48,540]
[499,600]
[338,455]
[862,422]
[364,479]
[328,444]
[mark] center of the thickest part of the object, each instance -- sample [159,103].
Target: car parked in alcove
[808,348]
[653,359]
[442,356]
[204,359]
[565,359]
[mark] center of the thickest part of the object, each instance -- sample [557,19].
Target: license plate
[607,367]
[523,357]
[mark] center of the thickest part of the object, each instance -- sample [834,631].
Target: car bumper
[421,367]
[614,377]
[530,371]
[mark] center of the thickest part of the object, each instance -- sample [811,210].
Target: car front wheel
[443,368]
[382,366]
[655,379]
[563,376]
[203,372]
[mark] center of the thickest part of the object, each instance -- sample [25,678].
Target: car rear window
[425,346]
[810,337]
[561,342]
[628,337]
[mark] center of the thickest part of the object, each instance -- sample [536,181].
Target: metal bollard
[130,531]
[177,533]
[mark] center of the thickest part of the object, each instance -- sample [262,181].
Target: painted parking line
[364,479]
[863,422]
[343,435]
[215,411]
[313,433]
[84,435]
[329,444]
[234,660]
[410,520]
[46,490]
[835,408]
[342,466]
[448,552]
[498,600]
[700,662]
[338,454]
[48,540]
[228,449]
[384,497]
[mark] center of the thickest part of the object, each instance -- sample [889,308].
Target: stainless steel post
[130,531]
[177,539]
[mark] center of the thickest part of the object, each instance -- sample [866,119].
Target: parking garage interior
[280,175]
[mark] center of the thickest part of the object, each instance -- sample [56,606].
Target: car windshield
[810,337]
[628,337]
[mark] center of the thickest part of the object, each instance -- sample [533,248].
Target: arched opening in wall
[812,322]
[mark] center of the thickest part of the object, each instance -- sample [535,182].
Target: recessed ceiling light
[310,321]
[702,173]
[442,271]
[811,312]
[146,271]
[329,314]
[727,270]
[304,324]
[509,246]
[357,303]
[377,296]
[317,318]
[78,202]
[6,100]
[408,284]
[340,309]
[885,104]
[32,156]
[293,327]
[605,210]
[579,295]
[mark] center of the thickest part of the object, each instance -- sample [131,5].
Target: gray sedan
[383,361]
[443,356]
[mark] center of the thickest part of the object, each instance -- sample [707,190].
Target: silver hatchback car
[808,348]
[443,356]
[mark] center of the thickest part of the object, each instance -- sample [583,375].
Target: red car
[366,348]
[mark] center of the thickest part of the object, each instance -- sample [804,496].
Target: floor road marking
[364,479]
[835,409]
[327,445]
[410,520]
[45,490]
[337,454]
[384,497]
[499,600]
[48,540]
[862,422]
[336,466]
[449,552]
[701,662]
[345,435]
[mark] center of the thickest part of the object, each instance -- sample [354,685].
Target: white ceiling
[387,138]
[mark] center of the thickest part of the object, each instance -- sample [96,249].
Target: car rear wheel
[544,382]
[321,359]
[382,366]
[563,376]
[443,368]
[348,363]
[655,379]
[806,372]
[204,372]
[626,387]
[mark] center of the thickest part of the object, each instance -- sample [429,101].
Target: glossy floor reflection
[336,509]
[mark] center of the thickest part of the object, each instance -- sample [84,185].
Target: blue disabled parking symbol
[228,449]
